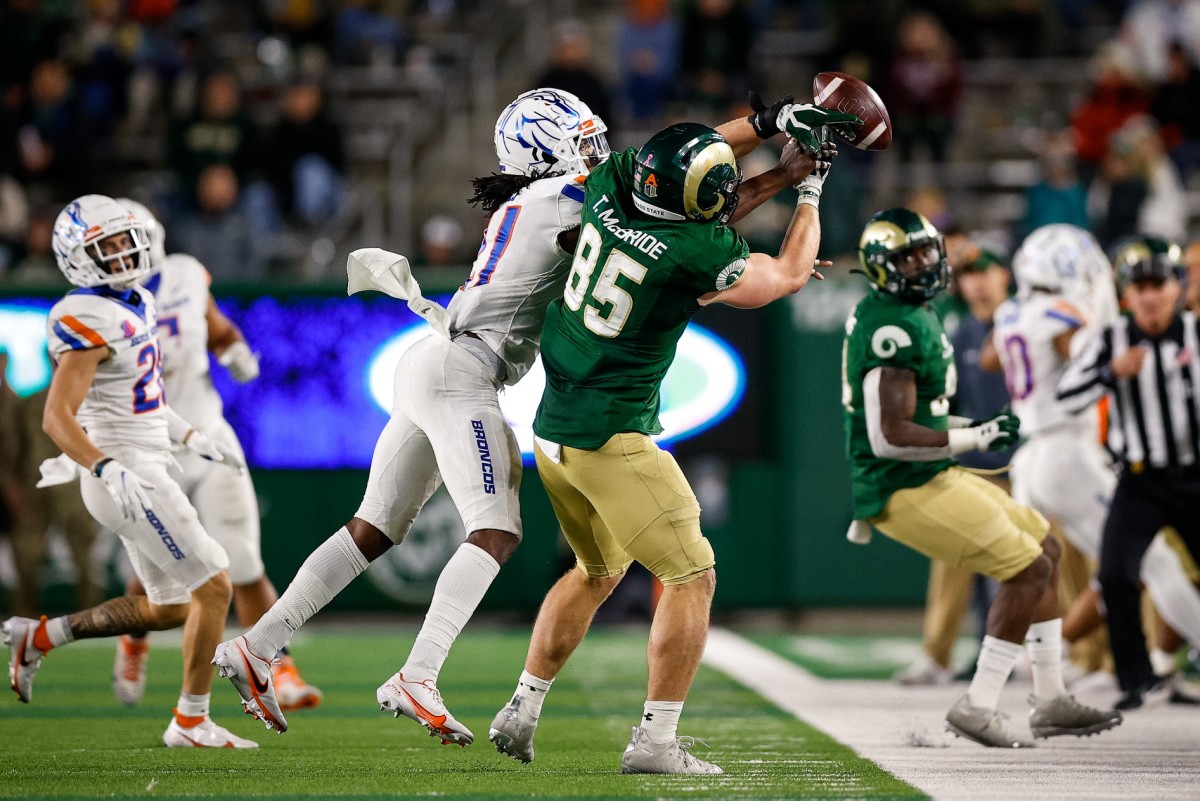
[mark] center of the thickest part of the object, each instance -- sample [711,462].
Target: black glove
[764,117]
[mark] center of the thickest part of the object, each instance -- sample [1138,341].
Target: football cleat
[644,756]
[293,691]
[24,658]
[989,727]
[129,669]
[1065,715]
[512,731]
[251,676]
[201,733]
[421,701]
[1155,691]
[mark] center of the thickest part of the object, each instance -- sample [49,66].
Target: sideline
[1154,754]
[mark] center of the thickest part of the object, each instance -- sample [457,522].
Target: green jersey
[634,285]
[884,331]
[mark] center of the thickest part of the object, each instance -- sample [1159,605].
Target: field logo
[408,574]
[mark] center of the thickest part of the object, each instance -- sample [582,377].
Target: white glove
[213,450]
[810,188]
[126,489]
[240,361]
[859,532]
[62,469]
[995,434]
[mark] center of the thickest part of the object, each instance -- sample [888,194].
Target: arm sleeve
[1088,376]
[717,261]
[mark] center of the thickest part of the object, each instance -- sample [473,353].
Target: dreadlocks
[493,191]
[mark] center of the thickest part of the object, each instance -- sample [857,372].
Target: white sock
[1164,664]
[1045,645]
[660,719]
[531,692]
[460,588]
[326,572]
[192,706]
[995,663]
[59,631]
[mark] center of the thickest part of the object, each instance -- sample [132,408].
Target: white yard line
[1155,754]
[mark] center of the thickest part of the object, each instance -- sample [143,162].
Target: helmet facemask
[124,256]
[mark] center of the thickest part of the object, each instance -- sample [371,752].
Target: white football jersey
[126,403]
[1024,339]
[519,270]
[181,291]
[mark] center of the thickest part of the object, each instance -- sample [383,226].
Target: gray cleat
[512,732]
[985,726]
[643,756]
[1065,715]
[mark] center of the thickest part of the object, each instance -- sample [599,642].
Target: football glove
[213,450]
[764,119]
[125,488]
[807,123]
[240,361]
[996,434]
[810,188]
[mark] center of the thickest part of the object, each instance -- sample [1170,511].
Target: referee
[1149,365]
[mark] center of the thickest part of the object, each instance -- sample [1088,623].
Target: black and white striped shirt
[1154,416]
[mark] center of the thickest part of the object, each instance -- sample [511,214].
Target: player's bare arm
[795,164]
[72,379]
[767,278]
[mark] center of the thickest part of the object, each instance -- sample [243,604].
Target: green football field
[75,741]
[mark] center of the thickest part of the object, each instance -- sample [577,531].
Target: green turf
[75,741]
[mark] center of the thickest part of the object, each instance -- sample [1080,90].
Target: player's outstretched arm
[890,403]
[795,165]
[68,387]
[746,133]
[228,344]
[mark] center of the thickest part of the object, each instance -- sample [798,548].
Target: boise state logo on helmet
[902,254]
[548,132]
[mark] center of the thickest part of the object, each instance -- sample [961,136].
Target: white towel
[375,268]
[62,469]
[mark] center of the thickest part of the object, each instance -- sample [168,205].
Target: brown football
[837,91]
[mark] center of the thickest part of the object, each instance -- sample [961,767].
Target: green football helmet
[686,172]
[889,241]
[1148,258]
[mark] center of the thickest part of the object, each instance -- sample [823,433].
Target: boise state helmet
[548,132]
[889,239]
[79,230]
[154,229]
[686,172]
[1058,258]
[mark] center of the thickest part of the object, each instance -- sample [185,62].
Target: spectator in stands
[1059,197]
[1191,257]
[305,160]
[14,219]
[54,144]
[648,54]
[925,87]
[29,35]
[1152,26]
[441,242]
[1164,211]
[572,69]
[1176,107]
[1115,197]
[365,33]
[218,133]
[1115,96]
[715,52]
[101,54]
[220,236]
[36,264]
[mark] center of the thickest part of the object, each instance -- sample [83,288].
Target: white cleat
[512,731]
[925,672]
[291,689]
[24,658]
[129,669]
[643,756]
[421,701]
[251,677]
[984,725]
[204,734]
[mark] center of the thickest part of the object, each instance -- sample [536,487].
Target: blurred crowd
[215,113]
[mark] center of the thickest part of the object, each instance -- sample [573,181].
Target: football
[837,91]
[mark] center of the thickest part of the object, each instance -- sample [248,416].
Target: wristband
[962,440]
[98,467]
